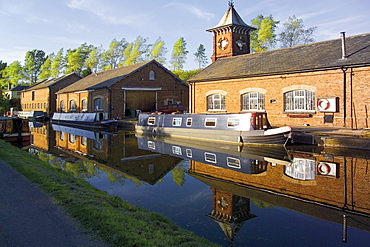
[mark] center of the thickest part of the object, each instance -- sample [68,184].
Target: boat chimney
[344,53]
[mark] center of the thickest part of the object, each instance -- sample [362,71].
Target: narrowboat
[246,159]
[243,128]
[15,130]
[90,120]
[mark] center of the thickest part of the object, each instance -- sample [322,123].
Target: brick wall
[353,108]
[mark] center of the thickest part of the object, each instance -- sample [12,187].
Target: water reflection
[251,195]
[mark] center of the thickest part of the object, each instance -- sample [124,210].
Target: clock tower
[231,35]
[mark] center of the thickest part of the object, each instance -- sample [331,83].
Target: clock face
[223,43]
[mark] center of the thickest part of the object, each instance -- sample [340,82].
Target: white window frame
[216,102]
[98,104]
[299,101]
[207,121]
[233,122]
[233,162]
[253,101]
[210,157]
[152,75]
[151,121]
[176,121]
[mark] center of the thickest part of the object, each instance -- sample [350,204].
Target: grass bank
[116,221]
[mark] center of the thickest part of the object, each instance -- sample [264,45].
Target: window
[84,105]
[98,104]
[210,122]
[61,137]
[62,106]
[72,105]
[210,157]
[233,162]
[151,145]
[169,101]
[33,95]
[72,138]
[176,121]
[189,153]
[84,141]
[233,122]
[216,102]
[45,105]
[299,100]
[302,169]
[253,101]
[152,75]
[176,150]
[151,120]
[189,122]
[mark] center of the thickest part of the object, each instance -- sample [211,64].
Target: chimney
[344,53]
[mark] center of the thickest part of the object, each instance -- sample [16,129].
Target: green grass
[116,221]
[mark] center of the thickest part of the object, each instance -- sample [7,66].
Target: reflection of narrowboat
[245,128]
[77,131]
[246,159]
[90,120]
[15,130]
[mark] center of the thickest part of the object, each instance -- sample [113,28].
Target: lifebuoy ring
[323,104]
[323,168]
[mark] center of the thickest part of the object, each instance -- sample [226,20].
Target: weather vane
[231,3]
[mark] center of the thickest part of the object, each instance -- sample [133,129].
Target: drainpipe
[344,95]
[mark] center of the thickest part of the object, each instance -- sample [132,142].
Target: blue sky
[53,24]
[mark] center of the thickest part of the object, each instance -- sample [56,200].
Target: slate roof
[48,83]
[19,88]
[231,18]
[310,57]
[107,78]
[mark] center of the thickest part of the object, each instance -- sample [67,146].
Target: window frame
[216,102]
[255,99]
[98,104]
[299,100]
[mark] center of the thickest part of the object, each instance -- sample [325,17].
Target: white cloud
[192,10]
[110,13]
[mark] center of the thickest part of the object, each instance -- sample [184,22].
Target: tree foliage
[11,75]
[294,33]
[200,56]
[179,53]
[114,55]
[134,52]
[57,64]
[186,75]
[264,38]
[158,51]
[32,65]
[46,68]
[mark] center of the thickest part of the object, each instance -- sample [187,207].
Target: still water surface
[232,196]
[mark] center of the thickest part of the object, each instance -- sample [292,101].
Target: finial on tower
[231,3]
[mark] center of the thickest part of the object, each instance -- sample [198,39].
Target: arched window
[72,105]
[253,101]
[62,106]
[299,100]
[98,104]
[152,75]
[33,95]
[72,138]
[216,102]
[84,105]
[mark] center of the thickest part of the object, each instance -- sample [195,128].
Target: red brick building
[121,91]
[320,84]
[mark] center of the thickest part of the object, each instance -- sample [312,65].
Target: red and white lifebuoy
[323,168]
[323,104]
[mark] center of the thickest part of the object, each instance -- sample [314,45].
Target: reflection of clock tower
[230,212]
[231,35]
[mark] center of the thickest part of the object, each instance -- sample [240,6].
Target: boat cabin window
[176,150]
[151,145]
[84,141]
[189,153]
[210,122]
[151,120]
[210,157]
[176,121]
[233,122]
[233,162]
[189,122]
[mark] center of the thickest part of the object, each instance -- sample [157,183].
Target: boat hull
[243,134]
[86,120]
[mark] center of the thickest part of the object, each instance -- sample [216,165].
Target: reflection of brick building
[321,84]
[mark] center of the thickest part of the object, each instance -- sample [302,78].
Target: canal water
[230,195]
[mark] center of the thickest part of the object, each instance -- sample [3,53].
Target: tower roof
[231,18]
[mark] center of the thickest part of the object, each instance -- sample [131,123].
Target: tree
[294,33]
[158,51]
[11,75]
[46,68]
[94,59]
[32,65]
[185,75]
[200,56]
[179,53]
[114,55]
[264,38]
[134,52]
[57,64]
[76,59]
